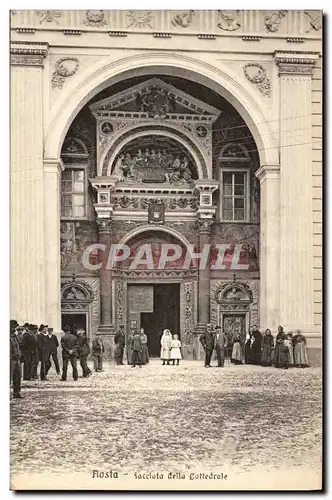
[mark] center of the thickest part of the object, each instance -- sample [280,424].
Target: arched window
[74,179]
[234,177]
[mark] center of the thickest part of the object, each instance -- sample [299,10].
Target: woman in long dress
[145,352]
[166,343]
[300,350]
[176,350]
[249,351]
[237,357]
[289,343]
[281,354]
[267,352]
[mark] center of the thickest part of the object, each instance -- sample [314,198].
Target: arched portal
[100,75]
[170,162]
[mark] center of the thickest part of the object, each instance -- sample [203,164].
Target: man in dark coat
[221,345]
[54,344]
[27,345]
[120,342]
[257,345]
[15,359]
[33,331]
[69,343]
[137,348]
[97,353]
[207,340]
[83,352]
[44,349]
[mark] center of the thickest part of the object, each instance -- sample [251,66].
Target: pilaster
[269,176]
[52,213]
[296,220]
[27,183]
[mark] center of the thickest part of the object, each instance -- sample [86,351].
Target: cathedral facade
[166,172]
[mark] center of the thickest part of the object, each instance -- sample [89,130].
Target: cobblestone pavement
[165,418]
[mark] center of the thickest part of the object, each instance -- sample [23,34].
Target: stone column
[203,290]
[104,232]
[269,176]
[296,218]
[27,268]
[52,177]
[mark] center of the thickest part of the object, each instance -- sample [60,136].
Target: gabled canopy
[157,98]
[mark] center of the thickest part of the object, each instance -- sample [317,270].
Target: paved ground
[245,421]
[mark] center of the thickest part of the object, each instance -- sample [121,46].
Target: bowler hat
[42,327]
[13,323]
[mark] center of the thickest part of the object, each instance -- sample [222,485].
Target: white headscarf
[167,333]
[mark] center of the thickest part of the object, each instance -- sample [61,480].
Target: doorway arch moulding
[103,74]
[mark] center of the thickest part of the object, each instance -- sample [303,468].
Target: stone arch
[238,148]
[76,144]
[222,79]
[76,291]
[199,157]
[234,292]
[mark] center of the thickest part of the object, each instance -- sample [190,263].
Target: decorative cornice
[251,38]
[72,32]
[104,225]
[52,165]
[268,172]
[295,63]
[28,53]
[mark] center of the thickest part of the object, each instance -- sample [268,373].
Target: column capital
[53,165]
[295,63]
[205,225]
[104,225]
[28,53]
[268,172]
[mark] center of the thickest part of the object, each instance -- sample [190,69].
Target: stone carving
[255,200]
[64,68]
[256,74]
[153,166]
[272,22]
[188,325]
[184,19]
[156,212]
[229,20]
[139,18]
[205,225]
[315,23]
[155,101]
[106,128]
[27,56]
[119,302]
[67,243]
[49,15]
[95,18]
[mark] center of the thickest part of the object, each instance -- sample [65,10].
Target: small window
[234,196]
[73,193]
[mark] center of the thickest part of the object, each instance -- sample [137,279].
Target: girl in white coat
[166,341]
[176,350]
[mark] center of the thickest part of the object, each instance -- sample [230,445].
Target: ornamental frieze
[229,20]
[273,21]
[139,19]
[183,19]
[49,16]
[95,18]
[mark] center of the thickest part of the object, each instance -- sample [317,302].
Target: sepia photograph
[166,285]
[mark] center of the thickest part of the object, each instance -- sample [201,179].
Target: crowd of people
[33,347]
[285,351]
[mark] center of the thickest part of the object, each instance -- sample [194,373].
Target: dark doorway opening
[74,321]
[166,314]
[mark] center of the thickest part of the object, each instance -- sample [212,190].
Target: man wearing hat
[15,362]
[120,342]
[207,340]
[44,350]
[69,343]
[33,330]
[54,344]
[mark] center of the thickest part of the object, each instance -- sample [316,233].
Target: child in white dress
[176,350]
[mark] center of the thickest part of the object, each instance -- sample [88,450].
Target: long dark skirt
[267,355]
[281,356]
[145,355]
[249,354]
